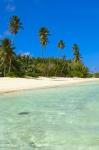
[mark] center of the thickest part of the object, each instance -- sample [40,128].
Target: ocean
[61,118]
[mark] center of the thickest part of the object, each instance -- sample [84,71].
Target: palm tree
[77,56]
[15,25]
[43,34]
[60,45]
[7,54]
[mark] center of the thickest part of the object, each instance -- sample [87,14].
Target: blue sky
[74,21]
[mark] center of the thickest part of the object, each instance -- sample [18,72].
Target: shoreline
[8,85]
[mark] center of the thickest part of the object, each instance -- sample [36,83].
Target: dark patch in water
[24,113]
[32,144]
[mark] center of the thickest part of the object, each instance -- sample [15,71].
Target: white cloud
[25,54]
[10,5]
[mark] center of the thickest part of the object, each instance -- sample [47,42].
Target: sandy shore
[14,84]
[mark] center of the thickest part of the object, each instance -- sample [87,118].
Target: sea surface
[61,118]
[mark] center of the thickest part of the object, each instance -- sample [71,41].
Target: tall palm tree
[43,34]
[7,54]
[76,51]
[15,25]
[60,45]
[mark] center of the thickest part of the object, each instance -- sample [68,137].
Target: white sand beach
[15,84]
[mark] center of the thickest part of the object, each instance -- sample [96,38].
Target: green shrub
[11,74]
[96,75]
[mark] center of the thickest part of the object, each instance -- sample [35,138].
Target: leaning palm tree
[15,25]
[7,54]
[43,34]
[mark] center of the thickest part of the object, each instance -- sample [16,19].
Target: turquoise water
[65,118]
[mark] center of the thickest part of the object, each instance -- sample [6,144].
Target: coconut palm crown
[61,44]
[15,25]
[43,34]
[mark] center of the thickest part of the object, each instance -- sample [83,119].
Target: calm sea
[62,118]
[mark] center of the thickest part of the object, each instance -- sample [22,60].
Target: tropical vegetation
[24,65]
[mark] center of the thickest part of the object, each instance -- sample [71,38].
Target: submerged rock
[32,144]
[24,113]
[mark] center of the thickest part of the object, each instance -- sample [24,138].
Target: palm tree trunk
[13,39]
[4,72]
[43,61]
[62,68]
[57,64]
[48,67]
[10,65]
[43,55]
[56,67]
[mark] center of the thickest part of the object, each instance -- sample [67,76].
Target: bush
[11,74]
[77,69]
[32,74]
[15,74]
[96,75]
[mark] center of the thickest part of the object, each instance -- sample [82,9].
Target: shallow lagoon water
[62,118]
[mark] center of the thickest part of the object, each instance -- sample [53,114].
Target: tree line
[23,65]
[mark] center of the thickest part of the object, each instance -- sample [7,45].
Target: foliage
[34,67]
[23,65]
[77,57]
[43,34]
[78,69]
[61,44]
[7,55]
[96,75]
[15,24]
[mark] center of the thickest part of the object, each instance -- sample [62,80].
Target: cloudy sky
[74,21]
